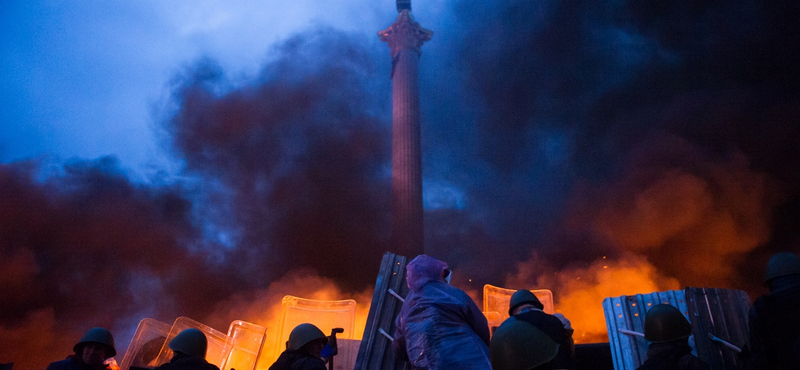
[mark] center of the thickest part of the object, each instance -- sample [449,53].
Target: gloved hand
[327,351]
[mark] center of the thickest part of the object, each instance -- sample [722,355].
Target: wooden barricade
[718,317]
[376,350]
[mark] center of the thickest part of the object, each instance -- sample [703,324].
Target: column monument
[405,37]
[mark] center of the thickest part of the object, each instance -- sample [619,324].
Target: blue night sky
[179,155]
[83,79]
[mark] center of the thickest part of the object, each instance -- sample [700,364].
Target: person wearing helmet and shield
[303,350]
[774,322]
[91,352]
[524,306]
[189,352]
[517,344]
[439,326]
[668,332]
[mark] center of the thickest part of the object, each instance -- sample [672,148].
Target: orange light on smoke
[266,309]
[580,300]
[579,291]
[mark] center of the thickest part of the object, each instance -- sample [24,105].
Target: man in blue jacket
[440,326]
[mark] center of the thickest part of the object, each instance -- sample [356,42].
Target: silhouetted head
[309,338]
[664,323]
[781,264]
[190,342]
[95,346]
[523,297]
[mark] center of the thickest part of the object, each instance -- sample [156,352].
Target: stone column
[405,37]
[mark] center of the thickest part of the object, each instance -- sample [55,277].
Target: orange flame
[264,307]
[579,291]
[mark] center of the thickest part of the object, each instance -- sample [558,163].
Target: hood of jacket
[423,269]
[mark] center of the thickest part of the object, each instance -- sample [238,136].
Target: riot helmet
[303,334]
[521,297]
[191,342]
[97,335]
[664,323]
[781,264]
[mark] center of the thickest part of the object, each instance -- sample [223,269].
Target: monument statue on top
[405,37]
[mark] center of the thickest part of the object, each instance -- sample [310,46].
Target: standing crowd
[440,327]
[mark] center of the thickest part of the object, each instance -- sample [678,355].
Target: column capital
[405,33]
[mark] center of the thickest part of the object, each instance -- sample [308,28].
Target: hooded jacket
[439,326]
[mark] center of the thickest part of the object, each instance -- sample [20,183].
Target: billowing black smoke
[83,246]
[579,109]
[284,176]
[293,166]
[555,133]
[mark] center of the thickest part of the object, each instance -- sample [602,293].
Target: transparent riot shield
[219,344]
[247,340]
[326,315]
[496,299]
[146,344]
[494,320]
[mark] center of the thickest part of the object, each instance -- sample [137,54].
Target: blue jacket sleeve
[399,342]
[477,320]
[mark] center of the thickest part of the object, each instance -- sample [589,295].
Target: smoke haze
[591,149]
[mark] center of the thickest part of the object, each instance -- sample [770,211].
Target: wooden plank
[739,329]
[636,308]
[722,313]
[376,350]
[613,314]
[703,322]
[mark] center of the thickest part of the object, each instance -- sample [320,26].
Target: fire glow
[579,296]
[580,292]
[265,308]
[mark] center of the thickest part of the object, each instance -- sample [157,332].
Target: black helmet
[664,323]
[191,342]
[518,345]
[303,334]
[782,264]
[521,297]
[97,335]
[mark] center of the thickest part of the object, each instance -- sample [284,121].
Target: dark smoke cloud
[299,156]
[616,100]
[83,246]
[695,215]
[284,175]
[555,134]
